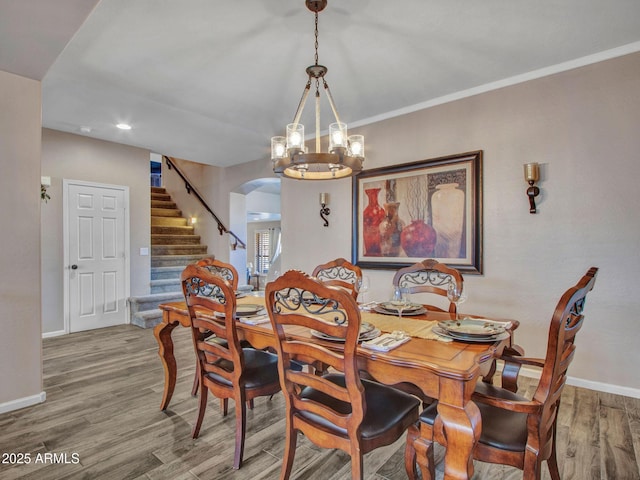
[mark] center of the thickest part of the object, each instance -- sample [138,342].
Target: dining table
[443,369]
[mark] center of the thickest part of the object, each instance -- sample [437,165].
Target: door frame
[66,183]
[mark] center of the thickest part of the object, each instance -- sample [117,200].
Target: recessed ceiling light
[124,126]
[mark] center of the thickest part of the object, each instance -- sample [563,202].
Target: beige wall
[20,343]
[582,125]
[75,157]
[206,180]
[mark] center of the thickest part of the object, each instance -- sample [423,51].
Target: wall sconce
[532,175]
[193,220]
[324,210]
[45,182]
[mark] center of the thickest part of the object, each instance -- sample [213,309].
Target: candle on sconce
[532,175]
[531,172]
[324,210]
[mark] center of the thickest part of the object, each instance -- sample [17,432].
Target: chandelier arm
[317,116]
[331,103]
[303,100]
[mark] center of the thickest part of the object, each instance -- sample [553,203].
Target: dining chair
[429,276]
[224,270]
[516,431]
[340,273]
[337,409]
[229,273]
[225,369]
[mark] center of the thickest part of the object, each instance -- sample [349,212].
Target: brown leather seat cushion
[386,407]
[244,344]
[502,429]
[260,368]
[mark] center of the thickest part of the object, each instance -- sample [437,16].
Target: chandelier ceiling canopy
[291,157]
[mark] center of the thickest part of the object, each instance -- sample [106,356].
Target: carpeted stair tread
[163,204]
[165,212]
[174,260]
[169,221]
[173,246]
[166,273]
[171,230]
[178,250]
[167,239]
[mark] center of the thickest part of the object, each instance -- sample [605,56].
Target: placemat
[413,327]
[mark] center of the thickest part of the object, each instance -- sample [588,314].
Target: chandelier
[289,154]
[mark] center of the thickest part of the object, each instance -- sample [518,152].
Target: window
[156,174]
[263,251]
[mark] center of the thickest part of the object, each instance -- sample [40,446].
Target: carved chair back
[222,269]
[340,273]
[429,276]
[566,322]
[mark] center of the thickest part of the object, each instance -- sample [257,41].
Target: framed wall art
[406,213]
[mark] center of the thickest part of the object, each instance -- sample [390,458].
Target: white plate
[247,309]
[471,327]
[477,339]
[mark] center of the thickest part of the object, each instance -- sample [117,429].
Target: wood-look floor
[103,394]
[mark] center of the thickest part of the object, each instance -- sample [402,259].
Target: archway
[255,215]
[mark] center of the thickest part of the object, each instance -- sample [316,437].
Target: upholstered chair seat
[385,409]
[260,368]
[502,429]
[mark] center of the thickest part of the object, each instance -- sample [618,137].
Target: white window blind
[263,250]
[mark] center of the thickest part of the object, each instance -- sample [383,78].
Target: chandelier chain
[316,42]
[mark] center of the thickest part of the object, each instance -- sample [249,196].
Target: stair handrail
[190,188]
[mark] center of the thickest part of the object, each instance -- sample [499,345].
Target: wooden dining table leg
[162,332]
[458,427]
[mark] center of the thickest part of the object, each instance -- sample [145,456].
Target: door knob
[74,267]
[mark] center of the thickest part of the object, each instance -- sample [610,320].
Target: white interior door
[96,255]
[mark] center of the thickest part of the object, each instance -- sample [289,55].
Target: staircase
[173,247]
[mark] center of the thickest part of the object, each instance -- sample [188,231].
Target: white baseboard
[589,384]
[604,387]
[22,402]
[54,334]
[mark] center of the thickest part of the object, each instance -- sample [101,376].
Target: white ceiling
[212,81]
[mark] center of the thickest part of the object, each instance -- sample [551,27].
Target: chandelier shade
[290,155]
